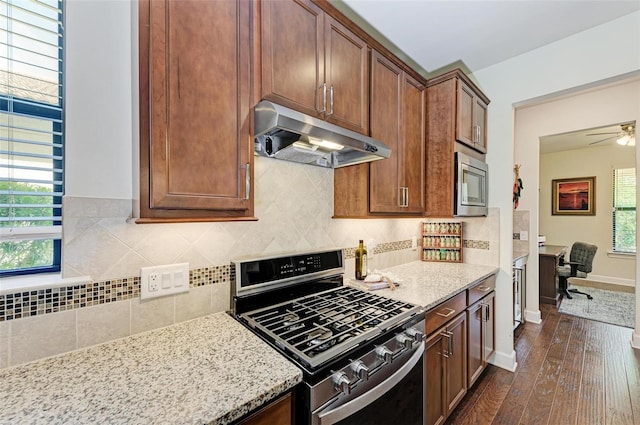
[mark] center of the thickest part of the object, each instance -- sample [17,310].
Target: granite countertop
[206,370]
[430,283]
[519,255]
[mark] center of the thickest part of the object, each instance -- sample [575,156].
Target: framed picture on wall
[575,196]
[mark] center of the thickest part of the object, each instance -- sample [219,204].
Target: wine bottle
[361,261]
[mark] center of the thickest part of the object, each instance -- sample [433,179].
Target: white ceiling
[475,34]
[480,33]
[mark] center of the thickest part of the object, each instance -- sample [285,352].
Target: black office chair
[579,265]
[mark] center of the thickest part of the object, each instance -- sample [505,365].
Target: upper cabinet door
[347,77]
[480,110]
[471,118]
[465,126]
[386,195]
[414,133]
[195,103]
[293,55]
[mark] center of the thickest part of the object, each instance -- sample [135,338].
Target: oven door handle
[345,410]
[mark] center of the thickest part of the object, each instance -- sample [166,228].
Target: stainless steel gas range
[361,354]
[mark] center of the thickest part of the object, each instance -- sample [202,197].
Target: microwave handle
[349,408]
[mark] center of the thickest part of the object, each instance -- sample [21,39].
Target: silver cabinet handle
[404,196]
[447,351]
[451,311]
[324,98]
[331,100]
[247,181]
[483,288]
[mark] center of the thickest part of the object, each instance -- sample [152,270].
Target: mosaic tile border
[470,243]
[381,248]
[43,301]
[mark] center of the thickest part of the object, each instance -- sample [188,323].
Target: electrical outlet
[524,235]
[169,279]
[154,282]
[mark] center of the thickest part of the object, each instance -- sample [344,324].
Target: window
[31,135]
[624,210]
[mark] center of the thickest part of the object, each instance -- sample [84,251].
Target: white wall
[587,58]
[98,92]
[598,161]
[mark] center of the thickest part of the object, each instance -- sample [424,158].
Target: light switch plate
[158,281]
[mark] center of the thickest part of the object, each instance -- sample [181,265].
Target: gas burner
[289,321]
[319,336]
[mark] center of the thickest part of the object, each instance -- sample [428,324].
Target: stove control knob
[384,354]
[417,335]
[405,340]
[342,383]
[360,370]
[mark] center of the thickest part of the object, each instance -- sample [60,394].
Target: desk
[548,276]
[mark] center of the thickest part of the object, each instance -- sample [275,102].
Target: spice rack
[442,241]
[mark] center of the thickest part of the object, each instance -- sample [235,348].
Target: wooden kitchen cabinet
[195,102]
[395,185]
[480,317]
[456,122]
[445,370]
[277,412]
[471,125]
[314,64]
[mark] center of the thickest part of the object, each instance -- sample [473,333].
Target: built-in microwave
[471,186]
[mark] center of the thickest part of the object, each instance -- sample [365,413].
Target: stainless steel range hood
[286,134]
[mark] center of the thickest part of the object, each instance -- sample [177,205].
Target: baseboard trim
[504,361]
[605,282]
[533,316]
[635,339]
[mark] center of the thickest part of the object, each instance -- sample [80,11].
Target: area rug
[617,308]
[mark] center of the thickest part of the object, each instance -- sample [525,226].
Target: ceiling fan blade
[601,134]
[608,138]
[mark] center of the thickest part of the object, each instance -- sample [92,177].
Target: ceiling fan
[626,136]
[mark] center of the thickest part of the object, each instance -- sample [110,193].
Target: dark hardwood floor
[570,371]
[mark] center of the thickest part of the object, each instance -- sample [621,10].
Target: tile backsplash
[521,223]
[294,206]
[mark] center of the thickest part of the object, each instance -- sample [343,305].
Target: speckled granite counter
[428,284]
[207,370]
[520,256]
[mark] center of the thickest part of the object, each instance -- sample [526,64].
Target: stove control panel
[251,272]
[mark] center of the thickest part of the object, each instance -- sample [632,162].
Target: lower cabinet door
[457,362]
[489,326]
[435,368]
[475,360]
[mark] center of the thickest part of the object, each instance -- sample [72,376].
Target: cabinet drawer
[444,312]
[481,289]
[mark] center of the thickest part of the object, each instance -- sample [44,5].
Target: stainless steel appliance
[519,290]
[471,186]
[286,134]
[361,354]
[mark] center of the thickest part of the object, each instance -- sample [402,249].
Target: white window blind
[624,210]
[31,135]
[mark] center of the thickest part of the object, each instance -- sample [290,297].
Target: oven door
[396,396]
